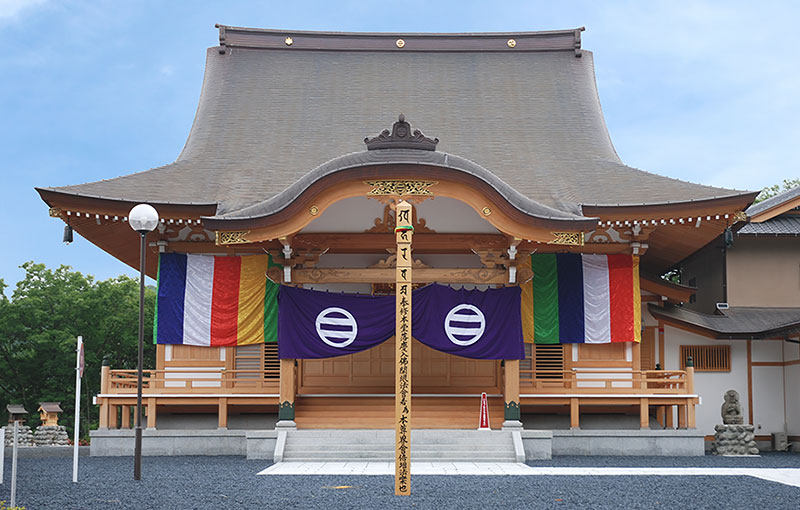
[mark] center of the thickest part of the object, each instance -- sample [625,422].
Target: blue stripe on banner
[171,291]
[570,298]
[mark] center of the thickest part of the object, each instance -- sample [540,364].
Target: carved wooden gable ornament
[401,137]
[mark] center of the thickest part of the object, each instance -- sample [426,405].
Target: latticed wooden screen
[707,358]
[272,365]
[254,357]
[545,360]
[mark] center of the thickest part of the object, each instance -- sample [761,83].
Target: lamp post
[143,218]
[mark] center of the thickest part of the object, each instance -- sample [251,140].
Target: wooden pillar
[222,413]
[669,419]
[644,413]
[151,413]
[511,390]
[661,416]
[113,421]
[574,413]
[404,230]
[690,414]
[682,416]
[288,385]
[105,373]
[126,417]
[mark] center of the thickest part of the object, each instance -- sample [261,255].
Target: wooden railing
[191,381]
[600,380]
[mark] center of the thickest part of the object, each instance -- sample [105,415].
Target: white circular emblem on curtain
[337,327]
[464,324]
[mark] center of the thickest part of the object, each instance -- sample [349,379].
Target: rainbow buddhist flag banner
[215,301]
[576,298]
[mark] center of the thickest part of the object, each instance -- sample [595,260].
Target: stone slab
[669,443]
[120,442]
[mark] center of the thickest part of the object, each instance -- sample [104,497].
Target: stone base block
[665,443]
[24,435]
[261,444]
[538,444]
[51,435]
[120,442]
[734,440]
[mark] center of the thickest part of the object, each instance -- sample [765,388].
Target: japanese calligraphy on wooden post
[402,399]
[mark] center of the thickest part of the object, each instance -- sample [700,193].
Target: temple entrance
[357,390]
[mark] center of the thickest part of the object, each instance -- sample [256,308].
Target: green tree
[771,191]
[38,329]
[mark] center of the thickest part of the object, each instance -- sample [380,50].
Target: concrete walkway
[784,476]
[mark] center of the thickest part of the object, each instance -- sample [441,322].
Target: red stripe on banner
[620,279]
[225,301]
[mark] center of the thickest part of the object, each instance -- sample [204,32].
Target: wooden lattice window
[255,357]
[272,365]
[247,357]
[707,358]
[526,365]
[548,358]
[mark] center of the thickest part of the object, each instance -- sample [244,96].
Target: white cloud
[11,10]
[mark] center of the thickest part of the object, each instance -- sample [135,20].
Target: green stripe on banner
[155,313]
[545,298]
[271,312]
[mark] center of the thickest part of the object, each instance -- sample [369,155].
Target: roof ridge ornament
[401,137]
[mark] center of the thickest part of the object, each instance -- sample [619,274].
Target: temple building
[302,146]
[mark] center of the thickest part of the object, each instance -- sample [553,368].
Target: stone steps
[378,445]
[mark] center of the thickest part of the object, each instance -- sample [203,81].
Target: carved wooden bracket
[306,259]
[391,261]
[492,258]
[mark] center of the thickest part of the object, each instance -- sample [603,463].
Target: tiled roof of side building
[771,202]
[736,322]
[780,226]
[267,117]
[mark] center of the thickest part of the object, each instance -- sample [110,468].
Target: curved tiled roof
[267,117]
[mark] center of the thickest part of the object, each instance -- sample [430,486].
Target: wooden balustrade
[191,380]
[605,381]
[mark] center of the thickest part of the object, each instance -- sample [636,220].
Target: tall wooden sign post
[402,391]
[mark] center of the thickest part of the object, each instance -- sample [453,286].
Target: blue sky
[700,91]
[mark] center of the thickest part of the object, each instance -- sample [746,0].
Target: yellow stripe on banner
[637,301]
[526,304]
[252,286]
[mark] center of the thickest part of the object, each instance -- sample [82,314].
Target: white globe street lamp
[143,218]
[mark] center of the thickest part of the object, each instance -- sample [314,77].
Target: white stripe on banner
[464,331]
[465,318]
[197,300]
[336,322]
[596,299]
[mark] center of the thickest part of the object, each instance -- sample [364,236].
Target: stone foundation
[734,440]
[24,435]
[51,435]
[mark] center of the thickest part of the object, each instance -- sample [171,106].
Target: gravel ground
[231,482]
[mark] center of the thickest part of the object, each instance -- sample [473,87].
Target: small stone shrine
[50,433]
[733,437]
[24,434]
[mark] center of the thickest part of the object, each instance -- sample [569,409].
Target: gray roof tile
[266,118]
[780,226]
[737,322]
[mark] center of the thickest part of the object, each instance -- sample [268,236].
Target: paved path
[786,476]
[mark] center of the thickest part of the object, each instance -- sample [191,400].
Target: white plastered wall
[768,387]
[791,374]
[710,386]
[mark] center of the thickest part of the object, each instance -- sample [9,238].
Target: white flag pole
[2,452]
[14,466]
[77,411]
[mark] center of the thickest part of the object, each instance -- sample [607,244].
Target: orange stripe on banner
[526,304]
[637,301]
[620,279]
[252,286]
[225,301]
